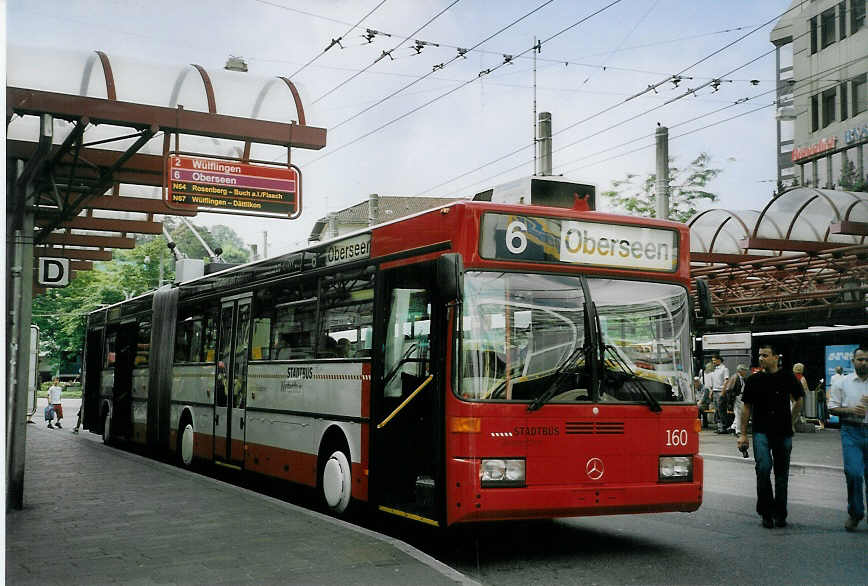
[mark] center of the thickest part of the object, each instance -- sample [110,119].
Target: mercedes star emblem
[594,469]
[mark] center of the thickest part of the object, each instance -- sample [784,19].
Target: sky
[432,122]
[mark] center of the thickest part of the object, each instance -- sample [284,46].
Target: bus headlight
[496,472]
[675,469]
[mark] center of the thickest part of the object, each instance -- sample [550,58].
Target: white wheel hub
[187,445]
[337,482]
[107,428]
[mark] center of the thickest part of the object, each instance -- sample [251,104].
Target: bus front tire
[185,445]
[336,482]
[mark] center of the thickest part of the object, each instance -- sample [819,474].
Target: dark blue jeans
[854,446]
[772,451]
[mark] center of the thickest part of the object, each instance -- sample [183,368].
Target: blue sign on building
[839,355]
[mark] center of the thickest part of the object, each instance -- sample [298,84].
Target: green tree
[687,189]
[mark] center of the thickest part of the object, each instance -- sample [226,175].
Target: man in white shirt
[849,401]
[54,393]
[718,379]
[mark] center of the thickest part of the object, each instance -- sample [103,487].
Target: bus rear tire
[336,482]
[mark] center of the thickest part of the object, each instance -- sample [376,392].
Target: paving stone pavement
[98,515]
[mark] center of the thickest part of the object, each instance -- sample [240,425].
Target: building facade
[822,94]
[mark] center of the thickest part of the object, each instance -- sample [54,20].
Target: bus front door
[407,406]
[230,386]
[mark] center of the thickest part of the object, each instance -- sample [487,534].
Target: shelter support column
[829,172]
[860,162]
[19,299]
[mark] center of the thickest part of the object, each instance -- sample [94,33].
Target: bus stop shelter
[88,138]
[802,259]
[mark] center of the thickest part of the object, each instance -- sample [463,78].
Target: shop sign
[823,145]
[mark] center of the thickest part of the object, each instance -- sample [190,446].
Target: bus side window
[143,345]
[260,349]
[263,308]
[294,322]
[346,317]
[110,343]
[209,335]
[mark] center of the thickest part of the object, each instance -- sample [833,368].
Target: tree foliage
[687,189]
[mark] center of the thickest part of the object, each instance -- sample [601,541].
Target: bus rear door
[231,380]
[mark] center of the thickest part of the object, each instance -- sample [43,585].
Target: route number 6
[516,237]
[676,437]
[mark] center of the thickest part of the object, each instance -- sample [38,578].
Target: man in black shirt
[766,397]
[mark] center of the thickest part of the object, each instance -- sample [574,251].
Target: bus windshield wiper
[560,371]
[633,381]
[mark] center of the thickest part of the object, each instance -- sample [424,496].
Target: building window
[815,114]
[828,107]
[859,88]
[813,35]
[842,20]
[827,28]
[843,93]
[857,15]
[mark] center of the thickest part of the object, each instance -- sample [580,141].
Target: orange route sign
[216,185]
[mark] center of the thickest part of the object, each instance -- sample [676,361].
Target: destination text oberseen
[580,242]
[214,178]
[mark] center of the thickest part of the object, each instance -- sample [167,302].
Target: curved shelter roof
[803,256]
[94,133]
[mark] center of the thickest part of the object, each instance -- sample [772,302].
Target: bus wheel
[185,445]
[107,428]
[336,482]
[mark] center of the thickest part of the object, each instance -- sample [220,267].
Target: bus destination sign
[539,239]
[231,186]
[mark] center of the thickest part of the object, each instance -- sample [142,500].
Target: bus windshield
[524,336]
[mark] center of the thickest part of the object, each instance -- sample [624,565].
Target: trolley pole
[662,136]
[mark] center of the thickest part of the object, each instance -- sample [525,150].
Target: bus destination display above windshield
[540,239]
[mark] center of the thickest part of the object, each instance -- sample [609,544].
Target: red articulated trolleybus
[484,360]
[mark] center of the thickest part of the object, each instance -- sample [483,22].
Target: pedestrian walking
[766,398]
[733,391]
[54,397]
[848,400]
[718,378]
[703,398]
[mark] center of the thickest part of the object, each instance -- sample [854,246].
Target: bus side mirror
[450,276]
[703,295]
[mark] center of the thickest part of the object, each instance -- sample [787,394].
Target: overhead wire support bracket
[422,44]
[385,54]
[334,42]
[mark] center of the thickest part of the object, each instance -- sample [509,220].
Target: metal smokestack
[662,136]
[544,144]
[373,208]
